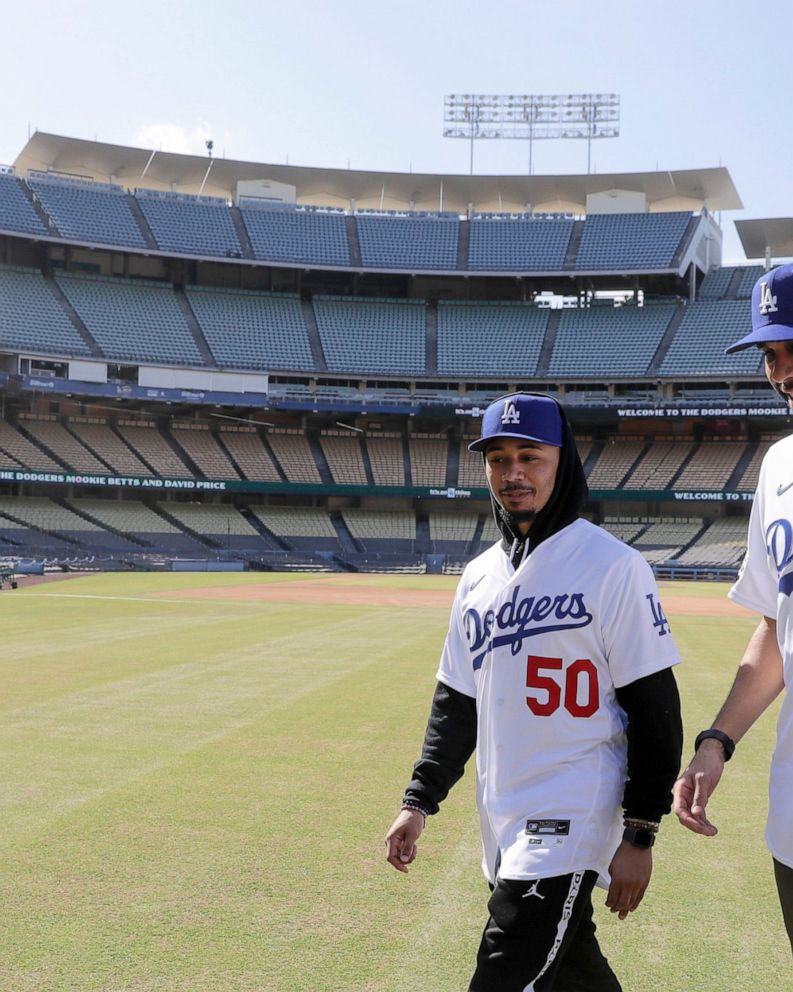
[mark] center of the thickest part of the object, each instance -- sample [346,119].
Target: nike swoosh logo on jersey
[475,584]
[783,489]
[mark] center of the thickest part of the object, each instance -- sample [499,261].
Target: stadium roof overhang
[688,189]
[772,237]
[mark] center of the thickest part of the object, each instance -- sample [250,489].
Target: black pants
[784,886]
[541,937]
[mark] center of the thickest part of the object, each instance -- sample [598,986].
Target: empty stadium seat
[498,339]
[519,244]
[630,242]
[87,211]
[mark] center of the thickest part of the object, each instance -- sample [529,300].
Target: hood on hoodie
[569,494]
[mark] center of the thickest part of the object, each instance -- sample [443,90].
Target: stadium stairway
[573,245]
[194,327]
[740,468]
[182,527]
[218,436]
[124,535]
[685,241]
[74,317]
[406,460]
[43,216]
[423,540]
[431,339]
[20,426]
[353,241]
[731,293]
[702,530]
[472,548]
[179,451]
[463,244]
[694,449]
[242,233]
[367,462]
[268,448]
[548,342]
[314,340]
[272,539]
[633,465]
[668,337]
[592,458]
[140,220]
[348,543]
[135,452]
[319,458]
[57,535]
[453,462]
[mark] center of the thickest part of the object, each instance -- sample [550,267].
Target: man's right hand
[400,841]
[695,787]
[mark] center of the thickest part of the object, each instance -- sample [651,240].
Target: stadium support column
[692,283]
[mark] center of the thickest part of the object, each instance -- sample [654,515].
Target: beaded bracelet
[415,807]
[651,825]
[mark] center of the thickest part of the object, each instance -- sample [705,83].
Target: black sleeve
[655,743]
[449,741]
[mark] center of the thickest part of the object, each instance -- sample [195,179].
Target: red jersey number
[581,689]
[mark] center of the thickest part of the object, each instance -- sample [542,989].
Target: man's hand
[695,787]
[630,870]
[400,841]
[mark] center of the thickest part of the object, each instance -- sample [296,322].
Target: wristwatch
[717,735]
[639,837]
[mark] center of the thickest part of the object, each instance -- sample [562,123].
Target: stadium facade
[256,366]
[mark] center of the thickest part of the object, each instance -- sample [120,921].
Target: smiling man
[765,585]
[557,670]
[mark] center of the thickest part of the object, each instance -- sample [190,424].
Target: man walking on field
[557,670]
[765,585]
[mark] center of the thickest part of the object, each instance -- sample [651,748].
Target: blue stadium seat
[705,331]
[85,211]
[372,335]
[408,242]
[253,330]
[288,234]
[489,339]
[608,340]
[190,225]
[31,318]
[133,320]
[631,241]
[16,211]
[524,244]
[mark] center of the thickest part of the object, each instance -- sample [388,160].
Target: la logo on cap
[510,414]
[767,302]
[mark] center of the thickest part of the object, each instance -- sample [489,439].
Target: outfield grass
[194,795]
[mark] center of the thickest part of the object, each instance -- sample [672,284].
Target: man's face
[778,363]
[521,476]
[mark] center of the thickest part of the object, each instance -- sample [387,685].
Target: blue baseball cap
[772,309]
[524,416]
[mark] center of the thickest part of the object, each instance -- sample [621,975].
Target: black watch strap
[717,735]
[639,837]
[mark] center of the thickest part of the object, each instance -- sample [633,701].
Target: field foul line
[134,599]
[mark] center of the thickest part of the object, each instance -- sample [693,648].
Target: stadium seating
[699,343]
[613,464]
[246,448]
[343,454]
[304,528]
[370,335]
[149,445]
[86,211]
[100,437]
[294,455]
[659,465]
[190,225]
[380,531]
[623,528]
[252,330]
[204,449]
[750,276]
[287,234]
[715,284]
[134,320]
[31,319]
[224,525]
[481,339]
[723,544]
[518,244]
[386,458]
[450,532]
[25,452]
[428,456]
[416,243]
[710,466]
[471,473]
[56,438]
[630,242]
[608,341]
[16,211]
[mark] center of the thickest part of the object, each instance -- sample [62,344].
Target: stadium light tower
[532,117]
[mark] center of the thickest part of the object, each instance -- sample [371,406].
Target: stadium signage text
[702,411]
[133,482]
[451,493]
[717,497]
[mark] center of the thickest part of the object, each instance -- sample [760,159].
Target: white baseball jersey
[765,584]
[542,649]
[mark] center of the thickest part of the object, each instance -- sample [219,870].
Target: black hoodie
[652,704]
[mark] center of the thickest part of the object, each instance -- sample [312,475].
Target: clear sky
[362,83]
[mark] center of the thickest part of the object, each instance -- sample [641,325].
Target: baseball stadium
[272,373]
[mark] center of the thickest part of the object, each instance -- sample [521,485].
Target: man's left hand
[630,870]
